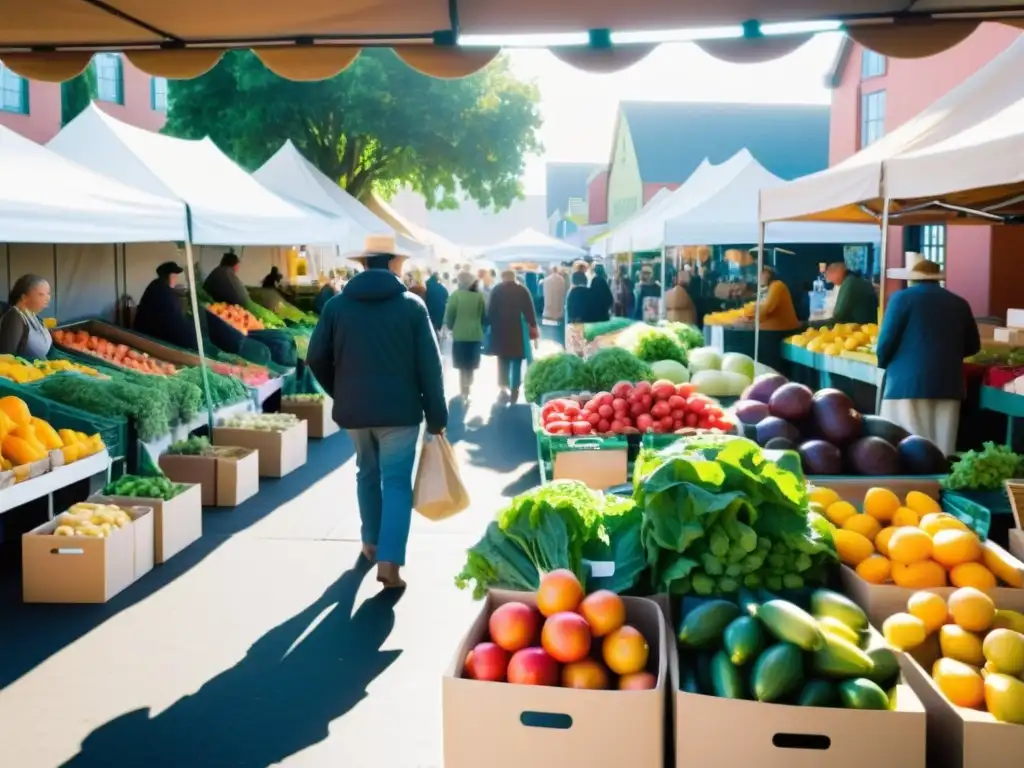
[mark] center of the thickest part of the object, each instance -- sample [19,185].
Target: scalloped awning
[313,39]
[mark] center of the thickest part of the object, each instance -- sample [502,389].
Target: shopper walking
[578,300]
[437,301]
[375,351]
[464,317]
[553,287]
[510,309]
[926,333]
[601,299]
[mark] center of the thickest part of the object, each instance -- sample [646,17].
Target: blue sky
[579,108]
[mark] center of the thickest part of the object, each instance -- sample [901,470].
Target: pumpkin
[46,434]
[16,410]
[20,451]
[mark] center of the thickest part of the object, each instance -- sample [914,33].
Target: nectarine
[587,674]
[514,626]
[487,661]
[604,611]
[566,637]
[625,651]
[532,666]
[638,681]
[559,591]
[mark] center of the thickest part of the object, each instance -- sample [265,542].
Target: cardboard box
[1017,543]
[279,452]
[515,726]
[316,414]
[1014,336]
[227,478]
[788,736]
[853,489]
[1015,318]
[177,522]
[80,569]
[958,737]
[880,601]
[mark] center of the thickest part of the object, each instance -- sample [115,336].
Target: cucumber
[703,626]
[778,672]
[726,679]
[841,659]
[791,624]
[703,673]
[818,693]
[825,602]
[743,639]
[861,693]
[887,668]
[838,629]
[688,675]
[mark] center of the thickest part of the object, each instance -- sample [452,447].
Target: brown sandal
[387,574]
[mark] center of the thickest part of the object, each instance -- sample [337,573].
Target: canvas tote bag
[438,492]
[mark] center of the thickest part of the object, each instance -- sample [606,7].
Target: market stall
[531,247]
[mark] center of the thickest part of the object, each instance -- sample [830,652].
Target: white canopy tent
[227,206]
[729,216]
[46,198]
[289,174]
[533,247]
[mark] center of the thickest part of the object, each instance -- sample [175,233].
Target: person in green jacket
[856,301]
[464,316]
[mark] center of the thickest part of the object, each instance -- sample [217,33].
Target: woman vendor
[777,310]
[22,333]
[161,314]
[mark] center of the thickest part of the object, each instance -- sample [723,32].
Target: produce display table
[740,338]
[182,431]
[860,380]
[262,393]
[1007,403]
[54,480]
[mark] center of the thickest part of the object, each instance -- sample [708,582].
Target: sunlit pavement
[264,643]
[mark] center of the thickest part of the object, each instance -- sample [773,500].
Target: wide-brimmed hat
[915,269]
[377,245]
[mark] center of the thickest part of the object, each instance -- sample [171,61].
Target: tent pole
[55,305]
[883,260]
[664,285]
[7,247]
[757,278]
[117,292]
[194,301]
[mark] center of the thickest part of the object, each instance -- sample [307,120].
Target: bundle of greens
[557,525]
[148,407]
[185,397]
[143,487]
[264,315]
[616,324]
[652,344]
[719,513]
[193,446]
[612,365]
[557,373]
[689,336]
[984,470]
[224,390]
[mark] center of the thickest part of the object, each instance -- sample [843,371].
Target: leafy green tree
[77,94]
[376,126]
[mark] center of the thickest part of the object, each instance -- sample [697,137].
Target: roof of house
[565,180]
[835,71]
[672,138]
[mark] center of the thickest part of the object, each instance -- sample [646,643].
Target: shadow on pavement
[278,700]
[42,630]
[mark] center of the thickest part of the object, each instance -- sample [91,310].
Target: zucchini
[791,624]
[839,629]
[825,602]
[705,683]
[703,626]
[778,672]
[726,679]
[887,669]
[841,659]
[861,693]
[688,675]
[743,639]
[818,693]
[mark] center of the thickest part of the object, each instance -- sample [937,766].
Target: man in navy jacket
[375,351]
[926,333]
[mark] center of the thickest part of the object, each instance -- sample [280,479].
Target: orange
[910,545]
[865,525]
[952,547]
[851,547]
[923,575]
[921,503]
[875,569]
[881,504]
[559,591]
[934,522]
[882,539]
[960,683]
[972,609]
[904,517]
[625,651]
[839,511]
[973,575]
[929,608]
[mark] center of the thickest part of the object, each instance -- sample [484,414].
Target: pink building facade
[872,95]
[33,108]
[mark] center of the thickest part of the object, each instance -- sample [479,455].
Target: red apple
[514,626]
[532,666]
[566,637]
[587,674]
[638,681]
[487,661]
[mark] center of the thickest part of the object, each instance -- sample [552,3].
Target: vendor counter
[740,338]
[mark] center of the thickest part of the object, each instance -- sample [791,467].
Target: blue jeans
[385,458]
[510,372]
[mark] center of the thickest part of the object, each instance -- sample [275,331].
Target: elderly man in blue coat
[926,333]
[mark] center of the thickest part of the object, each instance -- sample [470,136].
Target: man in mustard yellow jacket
[777,310]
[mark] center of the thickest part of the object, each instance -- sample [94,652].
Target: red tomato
[626,421]
[555,416]
[676,402]
[646,400]
[604,427]
[642,388]
[582,428]
[559,428]
[666,424]
[547,410]
[616,426]
[622,389]
[660,410]
[685,390]
[694,406]
[691,419]
[644,422]
[593,418]
[658,429]
[663,390]
[605,398]
[713,411]
[620,405]
[679,414]
[637,409]
[678,424]
[704,423]
[606,411]
[572,412]
[592,405]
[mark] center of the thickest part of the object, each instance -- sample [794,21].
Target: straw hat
[377,245]
[916,269]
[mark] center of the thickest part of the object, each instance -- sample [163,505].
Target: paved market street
[263,643]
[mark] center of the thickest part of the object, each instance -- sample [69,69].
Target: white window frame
[13,92]
[158,94]
[872,64]
[109,77]
[872,117]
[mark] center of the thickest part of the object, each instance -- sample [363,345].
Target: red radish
[647,400]
[582,428]
[666,424]
[691,419]
[663,390]
[617,427]
[604,398]
[604,426]
[637,410]
[678,424]
[644,422]
[559,427]
[657,428]
[676,402]
[696,406]
[592,405]
[593,418]
[606,411]
[686,389]
[642,388]
[557,416]
[622,389]
[679,414]
[660,410]
[572,412]
[620,405]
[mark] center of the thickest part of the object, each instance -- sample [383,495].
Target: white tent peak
[532,246]
[228,206]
